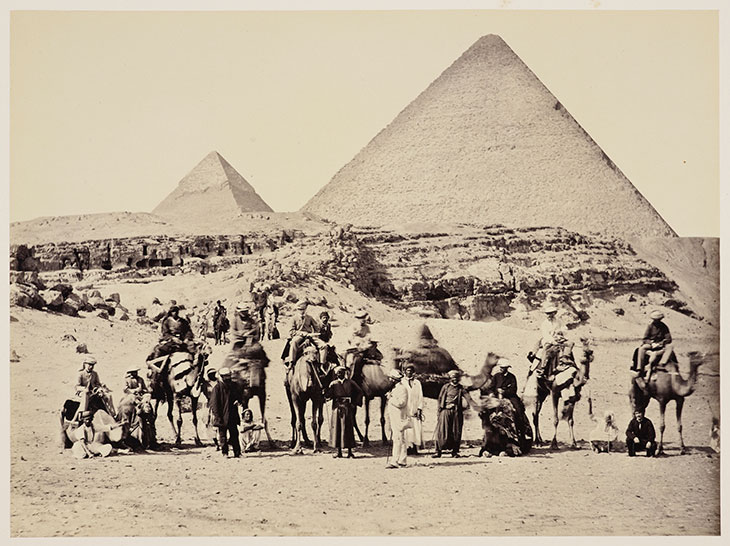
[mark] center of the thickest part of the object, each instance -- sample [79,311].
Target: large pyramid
[487,143]
[213,190]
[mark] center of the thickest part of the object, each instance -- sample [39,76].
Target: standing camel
[667,384]
[181,376]
[302,386]
[557,386]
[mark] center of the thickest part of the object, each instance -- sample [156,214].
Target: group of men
[405,399]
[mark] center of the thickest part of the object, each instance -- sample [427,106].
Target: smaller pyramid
[213,189]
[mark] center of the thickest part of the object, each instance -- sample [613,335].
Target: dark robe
[345,396]
[325,332]
[645,432]
[450,422]
[657,332]
[222,398]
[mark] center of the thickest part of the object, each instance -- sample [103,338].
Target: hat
[241,306]
[224,372]
[302,305]
[135,369]
[309,350]
[395,375]
[361,314]
[174,308]
[409,365]
[503,363]
[89,360]
[656,314]
[338,368]
[454,373]
[324,314]
[211,372]
[549,308]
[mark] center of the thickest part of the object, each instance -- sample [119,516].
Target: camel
[554,384]
[505,425]
[182,375]
[667,384]
[301,387]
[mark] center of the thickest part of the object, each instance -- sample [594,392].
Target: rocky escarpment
[467,272]
[136,253]
[475,273]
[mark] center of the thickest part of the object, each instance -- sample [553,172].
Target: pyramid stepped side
[212,189]
[487,143]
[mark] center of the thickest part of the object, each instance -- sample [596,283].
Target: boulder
[124,316]
[25,295]
[143,320]
[75,302]
[52,298]
[141,312]
[114,297]
[14,356]
[68,337]
[13,319]
[69,310]
[82,349]
[94,294]
[103,313]
[27,277]
[64,288]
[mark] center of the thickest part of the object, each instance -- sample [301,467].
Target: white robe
[414,435]
[398,417]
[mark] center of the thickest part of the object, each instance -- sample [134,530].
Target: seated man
[656,346]
[88,384]
[86,444]
[175,335]
[640,435]
[304,327]
[250,432]
[134,384]
[358,343]
[553,343]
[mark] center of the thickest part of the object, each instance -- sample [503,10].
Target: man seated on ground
[552,345]
[304,327]
[656,345]
[640,435]
[85,438]
[250,432]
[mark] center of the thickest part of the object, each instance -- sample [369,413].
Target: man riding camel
[176,335]
[358,343]
[88,383]
[304,327]
[656,347]
[552,346]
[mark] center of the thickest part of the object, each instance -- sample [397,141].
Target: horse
[220,328]
[180,376]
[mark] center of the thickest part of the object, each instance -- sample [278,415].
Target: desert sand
[189,491]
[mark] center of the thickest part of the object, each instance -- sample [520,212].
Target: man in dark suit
[640,435]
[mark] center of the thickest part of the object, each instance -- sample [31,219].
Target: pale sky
[110,110]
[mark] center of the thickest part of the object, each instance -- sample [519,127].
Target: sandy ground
[195,491]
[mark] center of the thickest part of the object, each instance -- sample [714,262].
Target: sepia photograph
[364,272]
